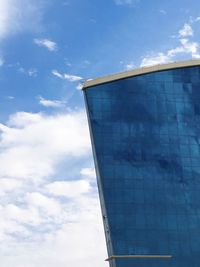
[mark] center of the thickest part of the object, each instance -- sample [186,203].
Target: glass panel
[146,138]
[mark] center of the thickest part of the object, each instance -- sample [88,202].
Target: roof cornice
[140,71]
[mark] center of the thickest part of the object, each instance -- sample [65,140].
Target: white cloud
[186,31]
[130,66]
[22,119]
[79,86]
[42,218]
[67,62]
[73,243]
[190,47]
[186,47]
[72,78]
[10,97]
[69,188]
[50,45]
[8,185]
[150,60]
[66,76]
[51,103]
[88,172]
[125,2]
[19,16]
[36,143]
[86,62]
[32,72]
[1,61]
[21,216]
[162,11]
[47,205]
[57,74]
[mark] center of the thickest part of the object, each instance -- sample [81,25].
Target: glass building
[145,132]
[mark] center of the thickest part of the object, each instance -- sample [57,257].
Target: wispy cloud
[130,66]
[20,16]
[66,3]
[1,61]
[126,2]
[162,11]
[185,47]
[66,76]
[67,62]
[47,43]
[79,86]
[186,31]
[51,103]
[72,78]
[10,97]
[32,72]
[58,74]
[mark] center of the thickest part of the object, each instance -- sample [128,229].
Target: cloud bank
[52,221]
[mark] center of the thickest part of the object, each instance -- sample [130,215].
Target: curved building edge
[140,71]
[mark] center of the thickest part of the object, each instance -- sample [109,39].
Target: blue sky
[50,214]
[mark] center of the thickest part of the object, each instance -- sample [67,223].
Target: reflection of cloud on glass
[146,134]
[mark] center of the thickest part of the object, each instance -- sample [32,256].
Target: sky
[49,205]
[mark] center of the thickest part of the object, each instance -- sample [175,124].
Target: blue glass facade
[145,134]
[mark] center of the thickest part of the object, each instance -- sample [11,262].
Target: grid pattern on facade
[146,137]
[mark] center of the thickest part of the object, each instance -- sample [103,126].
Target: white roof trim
[140,71]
